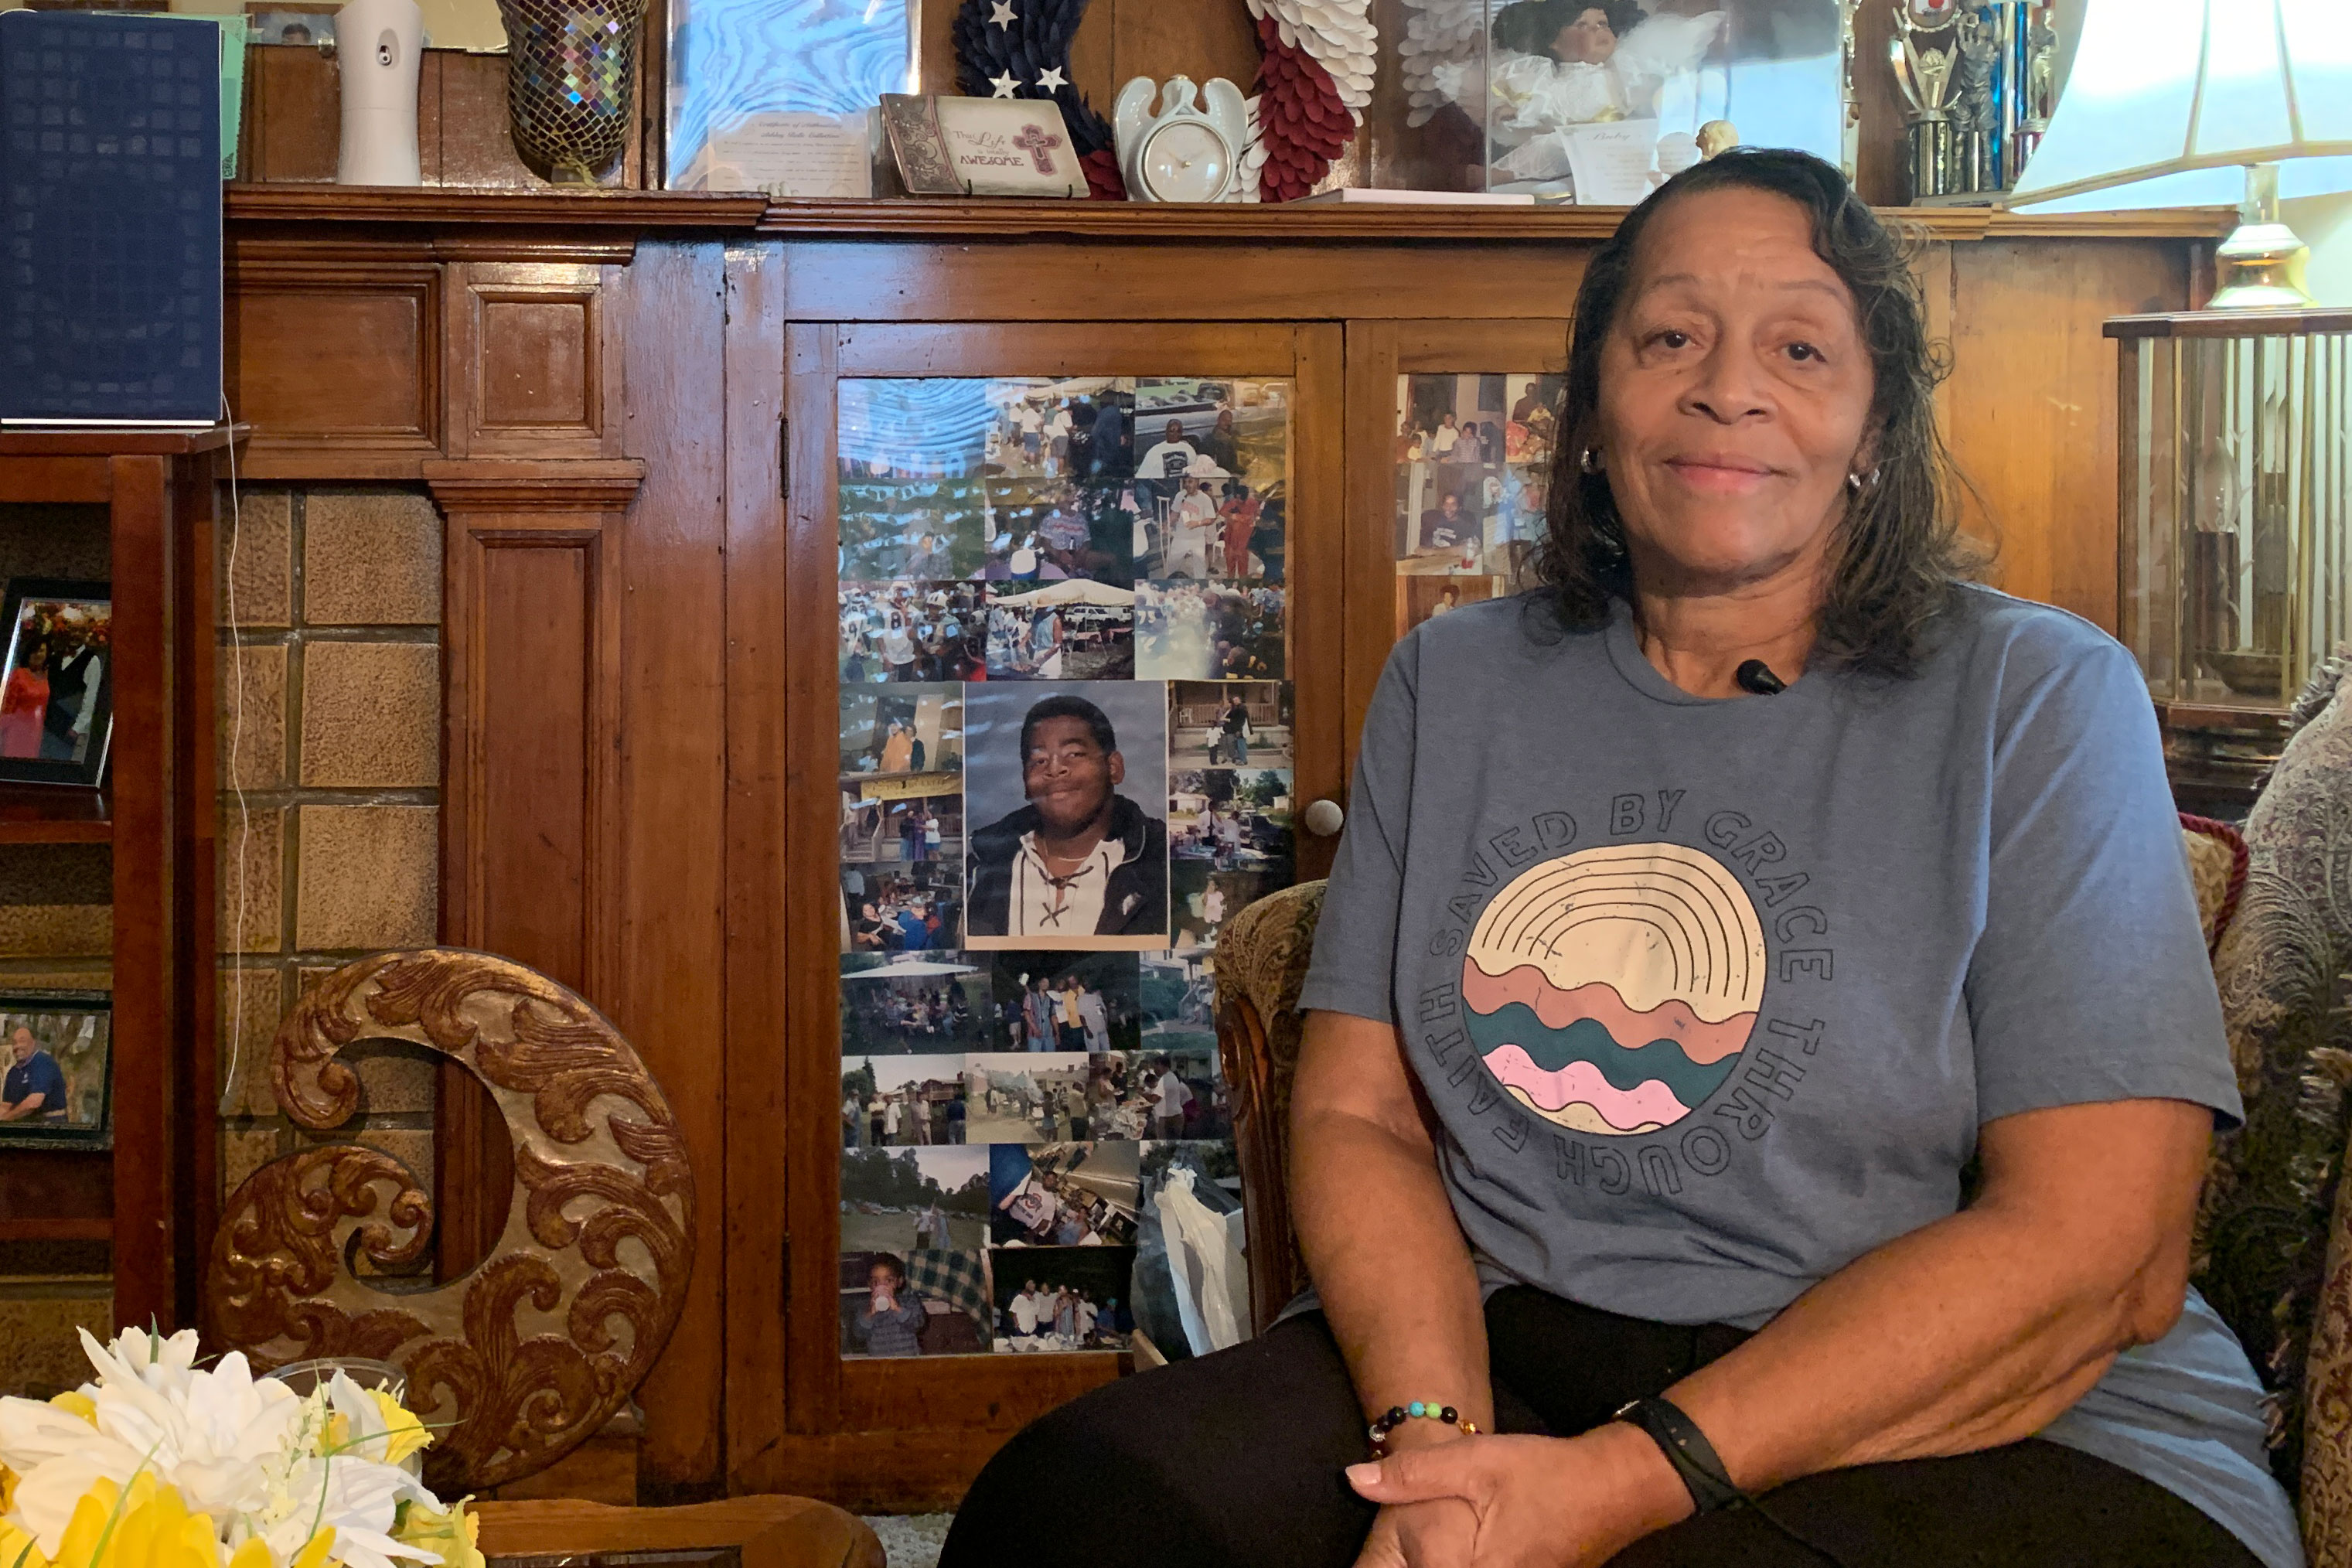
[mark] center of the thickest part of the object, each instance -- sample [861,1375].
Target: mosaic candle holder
[570,75]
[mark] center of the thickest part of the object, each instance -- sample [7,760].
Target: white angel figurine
[1558,63]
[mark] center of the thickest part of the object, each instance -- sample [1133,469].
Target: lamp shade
[2171,100]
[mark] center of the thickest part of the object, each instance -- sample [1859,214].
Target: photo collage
[1474,458]
[1066,761]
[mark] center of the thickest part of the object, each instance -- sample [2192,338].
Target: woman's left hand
[1541,1502]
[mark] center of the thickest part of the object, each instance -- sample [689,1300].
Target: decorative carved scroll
[529,1354]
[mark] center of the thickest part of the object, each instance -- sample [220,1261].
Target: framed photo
[57,682]
[56,1068]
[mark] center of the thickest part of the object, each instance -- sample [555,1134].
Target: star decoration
[1051,78]
[1004,85]
[1000,15]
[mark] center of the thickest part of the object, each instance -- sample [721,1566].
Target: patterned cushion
[2217,867]
[2272,1233]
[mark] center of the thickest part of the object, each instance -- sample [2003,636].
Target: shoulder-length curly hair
[1898,553]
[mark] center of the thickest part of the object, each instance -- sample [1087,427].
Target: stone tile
[369,877]
[38,976]
[370,715]
[40,1355]
[396,1078]
[56,930]
[413,1147]
[251,1002]
[254,738]
[264,577]
[252,847]
[56,874]
[370,558]
[244,1150]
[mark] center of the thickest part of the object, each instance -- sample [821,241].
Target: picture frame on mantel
[57,682]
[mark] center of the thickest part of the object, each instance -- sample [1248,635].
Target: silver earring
[1590,459]
[1855,481]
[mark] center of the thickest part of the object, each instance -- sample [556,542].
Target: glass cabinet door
[1070,593]
[1450,449]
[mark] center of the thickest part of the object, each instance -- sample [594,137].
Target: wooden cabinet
[625,404]
[135,508]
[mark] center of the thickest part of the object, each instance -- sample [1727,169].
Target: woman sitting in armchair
[1761,1053]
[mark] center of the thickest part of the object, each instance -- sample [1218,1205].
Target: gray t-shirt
[1712,996]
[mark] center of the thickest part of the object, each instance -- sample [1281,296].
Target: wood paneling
[529,825]
[531,650]
[672,895]
[757,1048]
[812,904]
[537,373]
[1314,561]
[1171,282]
[294,315]
[292,128]
[2029,411]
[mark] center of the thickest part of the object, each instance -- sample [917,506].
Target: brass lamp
[2206,103]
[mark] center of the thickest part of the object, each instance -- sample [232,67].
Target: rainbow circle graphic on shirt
[1611,991]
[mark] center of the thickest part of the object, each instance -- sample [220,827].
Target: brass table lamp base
[2261,266]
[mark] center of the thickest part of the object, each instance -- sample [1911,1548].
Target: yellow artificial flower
[318,1552]
[405,1434]
[73,1402]
[253,1553]
[18,1551]
[7,1494]
[451,1536]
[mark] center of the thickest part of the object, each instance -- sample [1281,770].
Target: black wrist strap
[1687,1449]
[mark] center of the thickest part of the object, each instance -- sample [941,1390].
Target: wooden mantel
[1121,222]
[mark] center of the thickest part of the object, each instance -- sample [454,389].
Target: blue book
[110,221]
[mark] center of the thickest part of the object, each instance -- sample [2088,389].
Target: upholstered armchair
[2273,1242]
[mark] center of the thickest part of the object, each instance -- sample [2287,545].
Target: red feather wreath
[1302,123]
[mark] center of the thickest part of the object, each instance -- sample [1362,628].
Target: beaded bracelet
[1430,1409]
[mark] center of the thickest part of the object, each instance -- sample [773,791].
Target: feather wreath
[1313,79]
[1313,82]
[1021,49]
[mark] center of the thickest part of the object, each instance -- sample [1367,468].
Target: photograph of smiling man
[1066,782]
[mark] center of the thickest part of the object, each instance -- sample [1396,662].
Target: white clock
[1179,151]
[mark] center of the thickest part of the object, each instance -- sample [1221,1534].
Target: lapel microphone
[1756,676]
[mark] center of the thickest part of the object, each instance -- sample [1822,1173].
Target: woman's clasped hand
[1516,1502]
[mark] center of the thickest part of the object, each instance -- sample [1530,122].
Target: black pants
[1235,1458]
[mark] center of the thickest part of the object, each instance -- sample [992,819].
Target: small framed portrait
[1062,1194]
[297,26]
[57,1066]
[1065,788]
[57,682]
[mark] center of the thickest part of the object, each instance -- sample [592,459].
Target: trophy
[1978,77]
